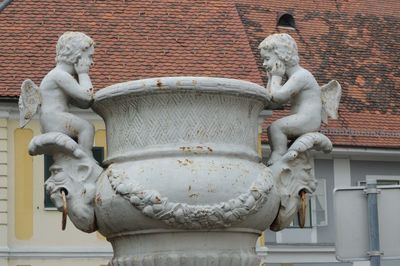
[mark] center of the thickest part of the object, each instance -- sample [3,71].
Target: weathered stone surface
[183,183]
[310,105]
[68,83]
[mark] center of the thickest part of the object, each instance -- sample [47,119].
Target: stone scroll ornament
[74,172]
[310,106]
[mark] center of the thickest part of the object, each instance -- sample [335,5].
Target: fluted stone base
[185,248]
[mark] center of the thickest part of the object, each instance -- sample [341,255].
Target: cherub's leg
[278,142]
[294,126]
[83,130]
[71,125]
[85,134]
[86,137]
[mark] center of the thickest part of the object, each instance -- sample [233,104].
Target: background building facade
[355,42]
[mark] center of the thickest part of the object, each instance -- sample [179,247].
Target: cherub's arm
[82,69]
[81,93]
[282,93]
[269,82]
[84,81]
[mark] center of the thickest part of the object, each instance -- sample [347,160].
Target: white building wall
[3,187]
[349,166]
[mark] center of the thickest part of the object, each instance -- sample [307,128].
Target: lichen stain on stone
[211,188]
[71,130]
[202,133]
[196,150]
[28,115]
[185,162]
[98,200]
[157,200]
[185,149]
[159,84]
[194,195]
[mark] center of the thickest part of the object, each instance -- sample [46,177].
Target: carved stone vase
[183,183]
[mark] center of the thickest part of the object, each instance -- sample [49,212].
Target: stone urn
[183,183]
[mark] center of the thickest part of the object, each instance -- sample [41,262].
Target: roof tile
[356,43]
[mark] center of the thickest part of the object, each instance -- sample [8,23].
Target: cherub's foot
[274,158]
[89,153]
[78,153]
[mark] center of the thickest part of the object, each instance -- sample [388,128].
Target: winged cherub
[67,83]
[310,103]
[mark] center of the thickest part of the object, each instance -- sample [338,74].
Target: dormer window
[286,21]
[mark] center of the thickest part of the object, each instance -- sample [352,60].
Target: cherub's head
[71,45]
[281,45]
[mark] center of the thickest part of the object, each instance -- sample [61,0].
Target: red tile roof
[355,42]
[135,39]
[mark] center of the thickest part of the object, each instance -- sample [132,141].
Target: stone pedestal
[182,247]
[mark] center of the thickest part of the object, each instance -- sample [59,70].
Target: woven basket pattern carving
[135,122]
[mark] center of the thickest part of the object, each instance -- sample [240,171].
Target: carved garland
[186,216]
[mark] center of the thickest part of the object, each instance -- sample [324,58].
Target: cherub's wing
[28,103]
[330,96]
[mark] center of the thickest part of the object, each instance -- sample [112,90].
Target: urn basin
[183,183]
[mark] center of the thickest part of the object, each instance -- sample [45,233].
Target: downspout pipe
[373,223]
[4,4]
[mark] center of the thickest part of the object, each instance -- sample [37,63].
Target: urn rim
[184,84]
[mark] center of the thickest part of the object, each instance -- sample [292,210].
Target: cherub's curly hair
[283,45]
[70,46]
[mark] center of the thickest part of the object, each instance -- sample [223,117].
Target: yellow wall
[28,225]
[100,141]
[23,192]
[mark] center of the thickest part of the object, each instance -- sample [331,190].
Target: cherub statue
[67,83]
[310,103]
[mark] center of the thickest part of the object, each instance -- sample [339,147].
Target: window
[319,204]
[317,214]
[98,154]
[308,223]
[286,21]
[381,180]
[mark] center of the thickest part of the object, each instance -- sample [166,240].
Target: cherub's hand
[82,66]
[278,69]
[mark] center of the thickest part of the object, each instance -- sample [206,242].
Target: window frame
[381,178]
[286,21]
[321,186]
